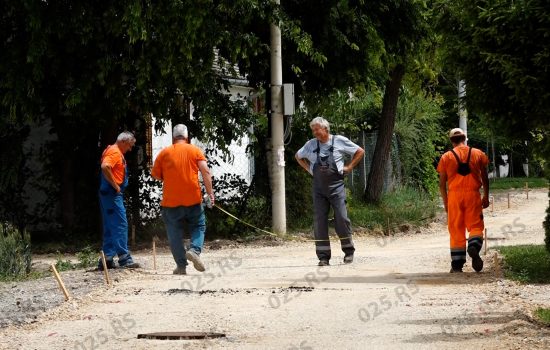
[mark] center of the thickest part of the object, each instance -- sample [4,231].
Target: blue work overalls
[113,212]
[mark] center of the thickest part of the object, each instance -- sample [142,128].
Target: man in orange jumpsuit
[465,170]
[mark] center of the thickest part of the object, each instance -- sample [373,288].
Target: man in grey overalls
[323,157]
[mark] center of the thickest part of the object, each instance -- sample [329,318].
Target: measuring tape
[278,235]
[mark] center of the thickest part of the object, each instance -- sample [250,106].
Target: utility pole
[462,112]
[278,200]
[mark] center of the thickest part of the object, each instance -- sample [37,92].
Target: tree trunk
[375,183]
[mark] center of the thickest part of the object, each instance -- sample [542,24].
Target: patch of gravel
[23,302]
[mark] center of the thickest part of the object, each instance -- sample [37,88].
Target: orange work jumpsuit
[465,211]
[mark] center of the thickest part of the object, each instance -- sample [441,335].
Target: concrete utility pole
[278,200]
[462,112]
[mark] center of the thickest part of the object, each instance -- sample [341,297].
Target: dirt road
[397,294]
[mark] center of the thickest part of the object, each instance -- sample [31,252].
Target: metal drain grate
[180,335]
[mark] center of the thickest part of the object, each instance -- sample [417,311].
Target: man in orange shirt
[177,166]
[113,182]
[465,170]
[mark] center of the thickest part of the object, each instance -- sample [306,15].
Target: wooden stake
[496,263]
[60,282]
[508,200]
[485,241]
[105,269]
[492,203]
[527,189]
[154,255]
[133,235]
[389,229]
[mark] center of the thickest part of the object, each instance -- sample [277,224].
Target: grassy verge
[527,263]
[543,315]
[404,206]
[517,182]
[86,258]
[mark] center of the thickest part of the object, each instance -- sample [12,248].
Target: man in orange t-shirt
[113,181]
[177,166]
[464,169]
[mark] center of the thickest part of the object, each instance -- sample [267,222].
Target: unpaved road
[397,294]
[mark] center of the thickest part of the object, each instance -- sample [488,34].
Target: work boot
[455,270]
[323,262]
[348,258]
[477,262]
[195,259]
[110,264]
[180,270]
[127,262]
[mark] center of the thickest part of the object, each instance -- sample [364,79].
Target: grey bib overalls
[328,190]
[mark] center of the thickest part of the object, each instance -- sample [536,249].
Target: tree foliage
[501,49]
[83,71]
[418,130]
[90,70]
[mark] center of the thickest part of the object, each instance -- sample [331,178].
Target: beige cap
[456,132]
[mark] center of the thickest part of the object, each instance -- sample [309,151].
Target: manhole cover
[180,335]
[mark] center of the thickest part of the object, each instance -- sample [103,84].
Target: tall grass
[527,263]
[543,315]
[15,253]
[517,182]
[405,205]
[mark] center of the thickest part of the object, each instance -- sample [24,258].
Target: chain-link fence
[242,164]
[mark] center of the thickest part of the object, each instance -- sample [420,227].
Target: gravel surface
[397,294]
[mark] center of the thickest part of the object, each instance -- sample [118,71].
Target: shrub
[15,252]
[87,257]
[404,205]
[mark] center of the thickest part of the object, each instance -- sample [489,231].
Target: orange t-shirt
[178,167]
[113,157]
[449,165]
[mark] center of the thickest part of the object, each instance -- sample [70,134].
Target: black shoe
[127,262]
[323,262]
[348,259]
[455,270]
[477,263]
[132,265]
[110,264]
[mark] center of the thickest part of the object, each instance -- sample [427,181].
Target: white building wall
[161,139]
[240,163]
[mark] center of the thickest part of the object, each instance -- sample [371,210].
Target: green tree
[403,28]
[90,70]
[418,130]
[366,45]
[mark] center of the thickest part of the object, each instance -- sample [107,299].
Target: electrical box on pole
[288,99]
